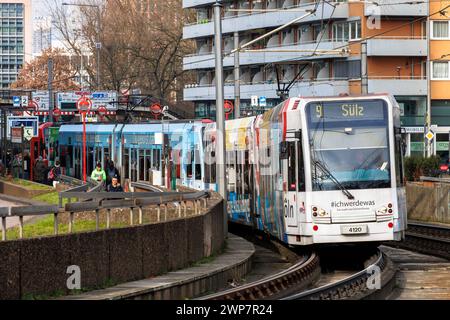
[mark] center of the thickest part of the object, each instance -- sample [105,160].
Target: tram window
[301,167]
[190,159]
[198,168]
[126,163]
[292,183]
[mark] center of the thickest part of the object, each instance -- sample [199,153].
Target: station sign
[16,135]
[262,101]
[19,121]
[67,101]
[41,99]
[16,101]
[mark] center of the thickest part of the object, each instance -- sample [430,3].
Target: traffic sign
[28,133]
[56,113]
[155,108]
[84,104]
[254,101]
[16,101]
[101,111]
[24,101]
[228,106]
[430,135]
[41,99]
[262,101]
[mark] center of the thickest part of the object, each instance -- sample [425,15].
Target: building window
[440,70]
[440,29]
[345,31]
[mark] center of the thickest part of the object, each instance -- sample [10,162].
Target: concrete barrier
[38,267]
[12,189]
[428,201]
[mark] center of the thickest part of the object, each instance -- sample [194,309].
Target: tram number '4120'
[288,209]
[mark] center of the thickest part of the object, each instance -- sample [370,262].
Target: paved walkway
[12,222]
[184,283]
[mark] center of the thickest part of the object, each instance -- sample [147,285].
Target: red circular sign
[56,113]
[101,111]
[155,108]
[228,106]
[84,104]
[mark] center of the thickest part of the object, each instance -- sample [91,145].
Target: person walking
[98,174]
[111,172]
[54,174]
[26,166]
[115,185]
[17,166]
[39,170]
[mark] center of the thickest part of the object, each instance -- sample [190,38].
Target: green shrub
[417,166]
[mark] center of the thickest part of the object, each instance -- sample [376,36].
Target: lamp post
[84,104]
[98,45]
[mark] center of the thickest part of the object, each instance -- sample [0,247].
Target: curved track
[357,286]
[290,280]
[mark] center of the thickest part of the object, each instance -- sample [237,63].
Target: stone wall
[34,267]
[428,202]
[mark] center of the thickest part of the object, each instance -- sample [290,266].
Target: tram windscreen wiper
[324,169]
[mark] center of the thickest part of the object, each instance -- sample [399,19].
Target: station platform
[201,279]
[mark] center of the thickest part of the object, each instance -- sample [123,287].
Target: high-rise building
[16,38]
[42,34]
[323,54]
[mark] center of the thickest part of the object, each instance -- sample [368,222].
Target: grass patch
[44,227]
[30,185]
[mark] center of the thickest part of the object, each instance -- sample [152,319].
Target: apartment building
[16,38]
[324,51]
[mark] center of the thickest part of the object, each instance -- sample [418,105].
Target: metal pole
[237,88]
[364,80]
[83,115]
[50,88]
[427,143]
[97,46]
[220,114]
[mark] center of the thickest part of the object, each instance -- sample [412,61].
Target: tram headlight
[385,213]
[320,215]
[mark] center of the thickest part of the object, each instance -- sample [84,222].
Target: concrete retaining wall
[428,202]
[15,190]
[32,267]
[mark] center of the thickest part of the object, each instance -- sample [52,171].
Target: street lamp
[98,45]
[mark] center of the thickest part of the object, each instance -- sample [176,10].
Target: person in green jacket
[98,174]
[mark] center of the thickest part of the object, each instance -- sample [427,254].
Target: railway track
[275,286]
[360,285]
[427,238]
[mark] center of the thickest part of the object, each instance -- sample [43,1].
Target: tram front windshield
[349,144]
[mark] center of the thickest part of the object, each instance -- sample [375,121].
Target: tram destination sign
[344,111]
[67,101]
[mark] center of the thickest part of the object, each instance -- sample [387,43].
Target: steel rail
[274,286]
[352,287]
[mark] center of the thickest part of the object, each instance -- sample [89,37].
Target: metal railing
[108,201]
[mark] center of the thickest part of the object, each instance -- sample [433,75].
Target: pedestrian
[115,185]
[39,170]
[111,172]
[54,174]
[26,166]
[17,165]
[98,174]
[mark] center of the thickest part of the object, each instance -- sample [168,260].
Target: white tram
[319,170]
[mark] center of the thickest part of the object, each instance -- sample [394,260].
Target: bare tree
[141,45]
[34,74]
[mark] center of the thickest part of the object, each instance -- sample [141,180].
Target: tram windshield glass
[349,144]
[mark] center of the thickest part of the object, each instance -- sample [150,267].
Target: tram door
[133,164]
[289,167]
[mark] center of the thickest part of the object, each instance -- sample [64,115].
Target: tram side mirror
[284,150]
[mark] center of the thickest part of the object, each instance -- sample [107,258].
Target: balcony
[196,3]
[387,8]
[401,86]
[266,20]
[283,53]
[397,46]
[304,88]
